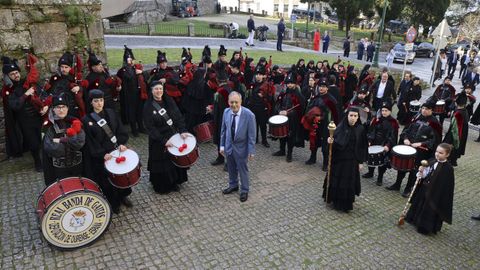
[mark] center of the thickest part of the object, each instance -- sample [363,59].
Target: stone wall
[48,28]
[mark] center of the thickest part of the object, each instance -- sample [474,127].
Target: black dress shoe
[367,175]
[279,153]
[116,210]
[393,187]
[243,197]
[476,217]
[406,194]
[478,139]
[310,162]
[266,144]
[289,158]
[218,161]
[230,190]
[246,43]
[225,168]
[379,183]
[324,168]
[125,201]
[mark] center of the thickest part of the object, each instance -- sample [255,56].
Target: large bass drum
[73,213]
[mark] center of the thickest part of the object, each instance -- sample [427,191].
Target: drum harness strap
[163,113]
[103,124]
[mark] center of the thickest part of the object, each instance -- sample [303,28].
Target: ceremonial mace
[401,220]
[331,130]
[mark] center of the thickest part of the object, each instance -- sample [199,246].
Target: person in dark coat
[346,47]
[457,133]
[351,84]
[164,175]
[13,133]
[25,102]
[423,134]
[432,202]
[406,95]
[335,92]
[195,100]
[325,42]
[360,49]
[349,152]
[68,84]
[99,78]
[472,78]
[220,103]
[291,104]
[382,90]
[99,145]
[452,61]
[62,143]
[259,99]
[328,110]
[370,51]
[383,131]
[251,31]
[403,102]
[445,92]
[280,34]
[134,91]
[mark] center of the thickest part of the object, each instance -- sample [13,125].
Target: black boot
[379,179]
[313,157]
[219,161]
[369,174]
[396,185]
[289,156]
[37,161]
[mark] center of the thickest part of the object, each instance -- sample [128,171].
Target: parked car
[462,45]
[400,54]
[396,27]
[424,49]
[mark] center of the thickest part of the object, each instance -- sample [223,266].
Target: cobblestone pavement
[284,224]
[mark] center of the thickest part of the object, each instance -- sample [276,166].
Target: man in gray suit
[237,143]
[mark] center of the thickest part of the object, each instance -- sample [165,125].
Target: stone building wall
[48,28]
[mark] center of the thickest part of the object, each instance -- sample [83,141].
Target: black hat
[222,51]
[9,65]
[260,69]
[461,98]
[161,57]
[275,67]
[207,59]
[290,78]
[95,93]
[323,82]
[186,55]
[154,83]
[262,59]
[430,102]
[206,51]
[387,105]
[448,77]
[93,59]
[127,53]
[59,100]
[66,59]
[236,64]
[221,71]
[415,78]
[467,85]
[363,89]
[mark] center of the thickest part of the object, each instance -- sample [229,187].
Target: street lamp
[380,35]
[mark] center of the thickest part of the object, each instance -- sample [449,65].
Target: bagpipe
[32,79]
[142,85]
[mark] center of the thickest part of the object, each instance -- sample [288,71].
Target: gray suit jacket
[245,134]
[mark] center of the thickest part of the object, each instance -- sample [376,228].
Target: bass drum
[73,213]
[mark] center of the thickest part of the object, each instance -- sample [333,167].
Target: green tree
[348,10]
[394,8]
[425,12]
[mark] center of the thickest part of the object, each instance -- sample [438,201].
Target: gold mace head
[424,163]
[331,128]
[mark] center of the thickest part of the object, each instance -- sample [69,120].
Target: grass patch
[149,56]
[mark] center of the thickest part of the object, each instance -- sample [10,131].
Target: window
[275,7]
[285,8]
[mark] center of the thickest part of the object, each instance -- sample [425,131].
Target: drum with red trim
[403,158]
[376,156]
[204,131]
[439,107]
[414,106]
[278,126]
[124,168]
[73,212]
[184,152]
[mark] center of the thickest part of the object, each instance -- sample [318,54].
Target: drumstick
[292,108]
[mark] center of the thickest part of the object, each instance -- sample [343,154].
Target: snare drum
[184,153]
[415,106]
[439,107]
[376,156]
[278,126]
[204,132]
[124,173]
[403,158]
[73,213]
